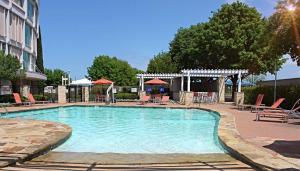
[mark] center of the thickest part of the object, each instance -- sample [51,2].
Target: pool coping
[227,133]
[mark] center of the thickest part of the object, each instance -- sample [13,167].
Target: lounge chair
[19,101]
[281,113]
[258,103]
[295,112]
[33,101]
[165,100]
[144,100]
[273,107]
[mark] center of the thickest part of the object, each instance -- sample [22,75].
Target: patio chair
[285,115]
[19,101]
[273,107]
[33,101]
[258,103]
[165,100]
[144,100]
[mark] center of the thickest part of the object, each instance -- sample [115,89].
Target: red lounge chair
[144,100]
[165,100]
[19,101]
[258,103]
[273,107]
[33,101]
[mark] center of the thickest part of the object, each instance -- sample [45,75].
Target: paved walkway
[270,134]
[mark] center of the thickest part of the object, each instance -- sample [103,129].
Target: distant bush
[127,96]
[290,93]
[40,97]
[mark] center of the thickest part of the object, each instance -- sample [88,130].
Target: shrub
[126,96]
[290,93]
[40,97]
[9,98]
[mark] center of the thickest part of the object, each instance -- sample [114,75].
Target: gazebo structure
[185,94]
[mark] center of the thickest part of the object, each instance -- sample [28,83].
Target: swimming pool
[134,130]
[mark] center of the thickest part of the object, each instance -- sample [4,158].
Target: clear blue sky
[74,32]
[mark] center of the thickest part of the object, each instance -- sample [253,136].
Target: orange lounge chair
[144,100]
[273,107]
[165,100]
[258,103]
[19,101]
[33,101]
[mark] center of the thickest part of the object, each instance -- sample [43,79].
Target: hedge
[127,96]
[290,93]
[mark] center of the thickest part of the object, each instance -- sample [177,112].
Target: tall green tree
[54,76]
[233,38]
[284,30]
[40,60]
[9,66]
[114,69]
[162,63]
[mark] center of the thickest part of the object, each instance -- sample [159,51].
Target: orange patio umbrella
[156,81]
[102,81]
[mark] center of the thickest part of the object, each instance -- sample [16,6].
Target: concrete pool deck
[254,142]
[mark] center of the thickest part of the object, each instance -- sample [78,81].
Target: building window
[2,46]
[30,10]
[26,61]
[19,2]
[28,36]
[32,63]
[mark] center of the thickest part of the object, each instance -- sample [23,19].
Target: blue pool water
[134,130]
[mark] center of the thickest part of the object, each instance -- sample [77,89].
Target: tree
[234,38]
[255,78]
[40,60]
[9,66]
[161,63]
[114,69]
[54,76]
[284,29]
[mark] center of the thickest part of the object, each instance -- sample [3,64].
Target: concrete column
[189,82]
[182,82]
[239,98]
[61,93]
[142,94]
[25,90]
[85,94]
[240,82]
[221,89]
[188,98]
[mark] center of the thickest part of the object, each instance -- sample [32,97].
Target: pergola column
[189,82]
[240,82]
[182,82]
[142,83]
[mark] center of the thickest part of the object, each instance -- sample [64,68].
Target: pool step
[92,161]
[218,165]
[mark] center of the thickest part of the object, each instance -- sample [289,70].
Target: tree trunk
[234,80]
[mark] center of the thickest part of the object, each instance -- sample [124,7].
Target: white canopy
[82,82]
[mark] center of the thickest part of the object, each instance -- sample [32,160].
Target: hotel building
[19,31]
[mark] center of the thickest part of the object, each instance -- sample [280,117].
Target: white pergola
[211,73]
